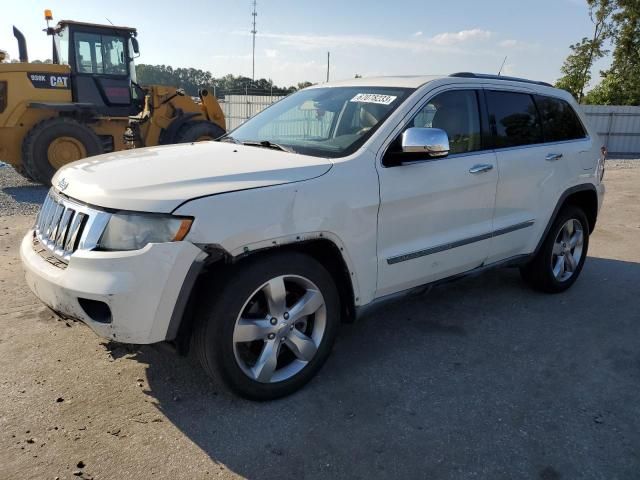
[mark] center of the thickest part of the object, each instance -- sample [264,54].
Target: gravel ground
[622,163]
[481,378]
[19,196]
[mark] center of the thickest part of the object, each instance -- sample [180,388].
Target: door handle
[481,168]
[552,157]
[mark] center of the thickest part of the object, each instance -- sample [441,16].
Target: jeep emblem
[62,184]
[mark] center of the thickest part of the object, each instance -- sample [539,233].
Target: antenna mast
[328,57]
[502,66]
[254,14]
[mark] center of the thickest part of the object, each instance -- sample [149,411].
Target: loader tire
[198,132]
[55,142]
[22,172]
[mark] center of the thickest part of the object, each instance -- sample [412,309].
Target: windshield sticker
[374,98]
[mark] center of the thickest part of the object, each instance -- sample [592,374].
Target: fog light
[96,310]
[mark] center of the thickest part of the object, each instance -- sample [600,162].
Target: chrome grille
[64,226]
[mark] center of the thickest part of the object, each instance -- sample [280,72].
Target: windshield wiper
[268,144]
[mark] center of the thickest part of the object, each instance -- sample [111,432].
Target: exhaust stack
[22,45]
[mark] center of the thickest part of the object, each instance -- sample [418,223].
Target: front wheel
[270,327]
[560,260]
[53,143]
[198,131]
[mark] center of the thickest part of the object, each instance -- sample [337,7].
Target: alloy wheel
[279,329]
[567,250]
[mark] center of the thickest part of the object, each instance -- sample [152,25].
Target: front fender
[245,221]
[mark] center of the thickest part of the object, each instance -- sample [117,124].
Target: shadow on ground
[482,378]
[34,194]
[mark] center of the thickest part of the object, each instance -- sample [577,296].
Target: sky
[368,38]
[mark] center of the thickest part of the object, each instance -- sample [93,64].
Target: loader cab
[101,59]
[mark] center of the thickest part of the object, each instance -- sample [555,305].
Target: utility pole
[328,57]
[254,14]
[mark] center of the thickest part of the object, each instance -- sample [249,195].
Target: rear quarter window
[513,118]
[559,121]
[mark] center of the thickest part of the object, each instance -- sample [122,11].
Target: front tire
[55,142]
[270,326]
[22,172]
[559,262]
[199,131]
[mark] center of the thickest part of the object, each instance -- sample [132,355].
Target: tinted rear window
[559,121]
[513,118]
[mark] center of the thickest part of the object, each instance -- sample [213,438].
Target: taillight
[602,160]
[3,96]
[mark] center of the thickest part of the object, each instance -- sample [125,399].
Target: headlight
[131,231]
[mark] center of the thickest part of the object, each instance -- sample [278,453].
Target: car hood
[158,179]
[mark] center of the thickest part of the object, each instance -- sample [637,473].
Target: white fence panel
[618,127]
[239,108]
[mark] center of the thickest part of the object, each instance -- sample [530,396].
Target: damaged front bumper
[127,296]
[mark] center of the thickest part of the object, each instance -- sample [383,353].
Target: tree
[576,69]
[192,79]
[621,82]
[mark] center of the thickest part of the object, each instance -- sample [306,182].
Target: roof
[416,81]
[95,25]
[403,81]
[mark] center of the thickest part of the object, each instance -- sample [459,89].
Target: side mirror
[135,45]
[431,141]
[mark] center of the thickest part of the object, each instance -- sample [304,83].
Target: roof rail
[497,77]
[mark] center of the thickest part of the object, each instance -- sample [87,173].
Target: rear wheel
[198,132]
[560,260]
[55,142]
[270,327]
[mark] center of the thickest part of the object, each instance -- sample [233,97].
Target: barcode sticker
[374,98]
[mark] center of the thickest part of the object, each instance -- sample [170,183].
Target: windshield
[325,122]
[61,45]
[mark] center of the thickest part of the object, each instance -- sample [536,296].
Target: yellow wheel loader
[88,102]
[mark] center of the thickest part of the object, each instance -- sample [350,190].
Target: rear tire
[254,333]
[55,142]
[559,262]
[198,132]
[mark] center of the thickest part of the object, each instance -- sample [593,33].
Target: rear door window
[559,121]
[513,118]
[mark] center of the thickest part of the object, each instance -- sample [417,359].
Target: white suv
[252,249]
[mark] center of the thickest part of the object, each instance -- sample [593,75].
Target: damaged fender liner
[182,315]
[186,292]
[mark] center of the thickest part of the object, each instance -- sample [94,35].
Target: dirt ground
[482,378]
